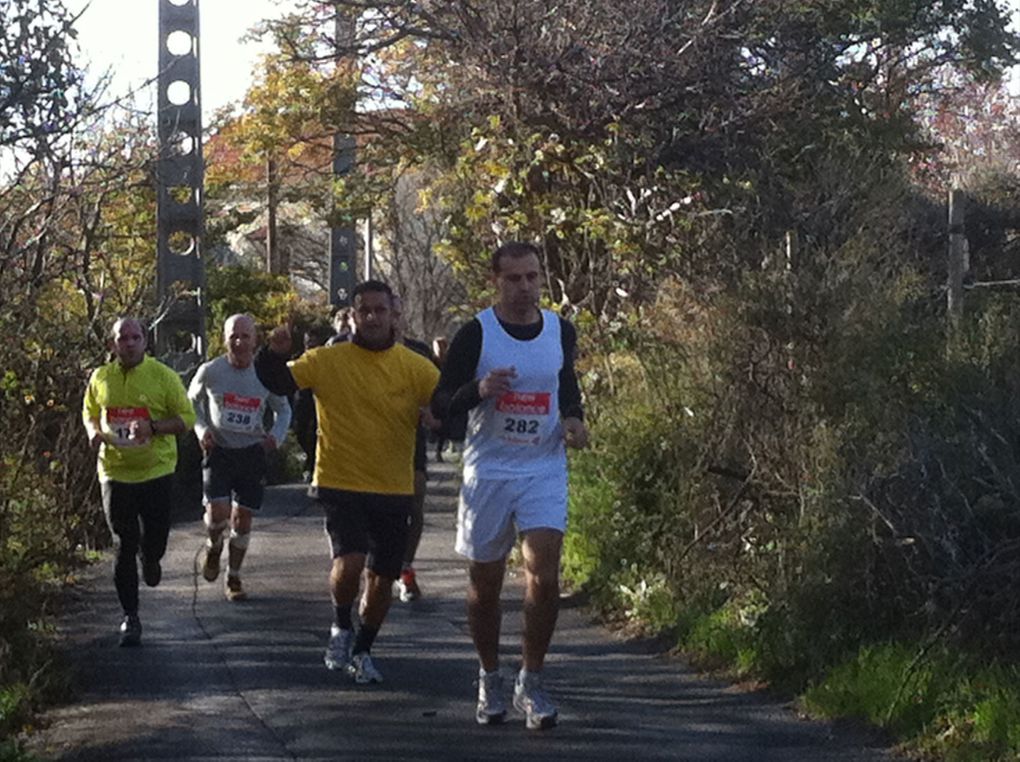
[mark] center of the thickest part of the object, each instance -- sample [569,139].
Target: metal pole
[272,244]
[342,240]
[368,246]
[957,255]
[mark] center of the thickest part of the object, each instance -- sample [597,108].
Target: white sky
[122,35]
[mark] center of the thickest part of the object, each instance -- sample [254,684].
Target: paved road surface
[245,681]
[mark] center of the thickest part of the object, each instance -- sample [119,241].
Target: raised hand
[496,382]
[280,340]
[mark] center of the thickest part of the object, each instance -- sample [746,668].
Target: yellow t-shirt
[368,404]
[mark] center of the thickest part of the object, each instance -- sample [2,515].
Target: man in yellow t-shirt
[133,409]
[370,394]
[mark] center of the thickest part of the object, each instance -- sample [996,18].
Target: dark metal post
[957,257]
[273,263]
[342,240]
[180,277]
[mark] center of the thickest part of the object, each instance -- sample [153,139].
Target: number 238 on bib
[241,413]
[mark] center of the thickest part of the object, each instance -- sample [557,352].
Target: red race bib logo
[524,403]
[120,420]
[241,404]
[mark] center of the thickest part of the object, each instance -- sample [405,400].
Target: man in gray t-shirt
[230,408]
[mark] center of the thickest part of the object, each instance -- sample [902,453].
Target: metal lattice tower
[343,240]
[180,334]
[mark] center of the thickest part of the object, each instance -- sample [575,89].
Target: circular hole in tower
[178,92]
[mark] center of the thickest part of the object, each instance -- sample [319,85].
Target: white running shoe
[491,708]
[531,699]
[363,670]
[130,631]
[407,586]
[338,650]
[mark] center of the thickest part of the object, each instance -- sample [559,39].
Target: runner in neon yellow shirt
[133,409]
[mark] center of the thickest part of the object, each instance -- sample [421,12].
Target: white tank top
[520,433]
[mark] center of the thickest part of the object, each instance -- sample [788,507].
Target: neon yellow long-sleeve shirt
[115,397]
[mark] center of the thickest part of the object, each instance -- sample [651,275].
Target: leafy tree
[76,213]
[624,136]
[722,193]
[274,161]
[974,127]
[41,90]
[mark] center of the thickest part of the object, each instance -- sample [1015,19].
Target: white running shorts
[491,513]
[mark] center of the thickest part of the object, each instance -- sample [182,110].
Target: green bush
[11,751]
[270,299]
[941,703]
[794,472]
[888,685]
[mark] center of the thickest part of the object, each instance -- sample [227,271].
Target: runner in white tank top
[519,433]
[512,367]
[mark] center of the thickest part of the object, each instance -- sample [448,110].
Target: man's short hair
[116,324]
[237,316]
[374,286]
[513,249]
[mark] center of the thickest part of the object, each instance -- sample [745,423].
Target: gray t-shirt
[231,402]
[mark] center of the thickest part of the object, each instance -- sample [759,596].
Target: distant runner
[408,582]
[230,406]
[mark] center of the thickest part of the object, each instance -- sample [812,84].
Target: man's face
[518,282]
[129,342]
[373,318]
[239,336]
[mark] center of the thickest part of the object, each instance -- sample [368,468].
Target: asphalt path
[216,680]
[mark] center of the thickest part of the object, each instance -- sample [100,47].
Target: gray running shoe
[491,708]
[363,670]
[531,699]
[131,631]
[211,565]
[338,650]
[233,589]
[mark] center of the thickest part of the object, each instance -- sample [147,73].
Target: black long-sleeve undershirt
[457,391]
[273,372]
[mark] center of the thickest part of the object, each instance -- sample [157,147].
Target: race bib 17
[121,421]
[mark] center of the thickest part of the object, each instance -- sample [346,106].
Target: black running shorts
[235,474]
[370,523]
[421,441]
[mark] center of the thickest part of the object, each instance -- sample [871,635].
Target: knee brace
[217,525]
[239,540]
[215,529]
